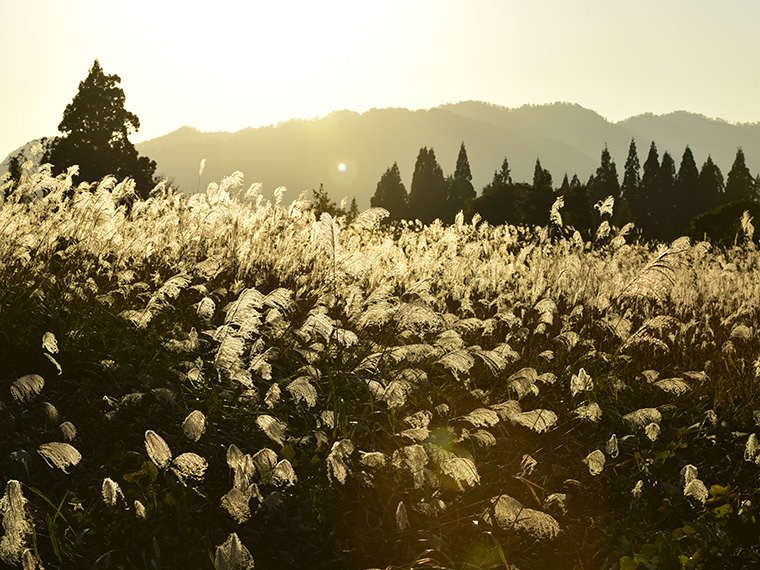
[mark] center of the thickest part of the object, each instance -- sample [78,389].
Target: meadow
[226,381]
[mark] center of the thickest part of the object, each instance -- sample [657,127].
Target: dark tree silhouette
[711,186]
[95,128]
[687,191]
[391,194]
[461,190]
[605,181]
[740,184]
[664,216]
[427,198]
[541,198]
[496,204]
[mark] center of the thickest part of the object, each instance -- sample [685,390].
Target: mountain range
[348,151]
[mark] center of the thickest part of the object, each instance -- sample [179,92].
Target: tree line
[662,200]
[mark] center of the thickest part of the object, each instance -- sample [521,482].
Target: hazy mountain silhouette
[301,154]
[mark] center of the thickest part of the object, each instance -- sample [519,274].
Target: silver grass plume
[539,420]
[273,427]
[605,207]
[27,387]
[189,466]
[194,425]
[68,430]
[595,461]
[507,512]
[656,279]
[158,451]
[233,555]
[555,218]
[747,228]
[59,455]
[370,219]
[337,469]
[111,492]
[16,527]
[301,390]
[642,417]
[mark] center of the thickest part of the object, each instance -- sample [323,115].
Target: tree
[631,173]
[427,198]
[665,216]
[461,190]
[643,202]
[353,211]
[541,197]
[496,204]
[740,184]
[605,182]
[687,190]
[95,128]
[710,186]
[323,204]
[391,194]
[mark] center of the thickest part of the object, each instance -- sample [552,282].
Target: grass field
[221,381]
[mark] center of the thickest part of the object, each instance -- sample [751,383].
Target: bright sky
[228,65]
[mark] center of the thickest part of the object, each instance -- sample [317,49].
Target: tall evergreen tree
[686,190]
[96,127]
[740,183]
[605,181]
[541,197]
[665,204]
[391,194]
[427,198]
[710,187]
[644,205]
[461,190]
[496,204]
[632,173]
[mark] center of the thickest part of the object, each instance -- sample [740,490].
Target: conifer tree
[632,173]
[665,215]
[427,198]
[686,190]
[605,182]
[95,128]
[541,197]
[710,187]
[391,194]
[644,203]
[740,183]
[461,190]
[497,202]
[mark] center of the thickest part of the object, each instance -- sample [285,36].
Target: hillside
[301,154]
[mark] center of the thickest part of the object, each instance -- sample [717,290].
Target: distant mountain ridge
[348,151]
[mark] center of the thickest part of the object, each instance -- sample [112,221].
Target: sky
[227,65]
